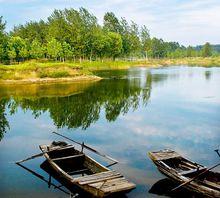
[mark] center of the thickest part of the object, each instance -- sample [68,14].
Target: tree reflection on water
[80,107]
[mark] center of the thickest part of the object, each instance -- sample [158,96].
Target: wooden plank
[108,182]
[94,166]
[118,186]
[164,154]
[88,177]
[191,164]
[55,148]
[211,184]
[191,171]
[164,164]
[100,179]
[68,157]
[78,171]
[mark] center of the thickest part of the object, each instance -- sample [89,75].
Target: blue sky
[189,22]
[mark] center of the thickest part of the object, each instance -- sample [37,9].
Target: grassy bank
[45,71]
[196,61]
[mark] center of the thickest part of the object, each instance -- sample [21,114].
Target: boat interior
[74,162]
[88,174]
[183,166]
[191,169]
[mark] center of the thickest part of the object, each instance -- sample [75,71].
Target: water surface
[127,114]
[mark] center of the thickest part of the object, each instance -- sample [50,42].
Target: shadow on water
[76,105]
[164,186]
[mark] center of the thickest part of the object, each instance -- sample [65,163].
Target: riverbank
[49,72]
[44,72]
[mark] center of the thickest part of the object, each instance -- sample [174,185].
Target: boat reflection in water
[164,187]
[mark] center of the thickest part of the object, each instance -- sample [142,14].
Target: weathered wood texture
[164,154]
[187,172]
[101,182]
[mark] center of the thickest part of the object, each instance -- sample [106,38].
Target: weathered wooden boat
[80,170]
[182,170]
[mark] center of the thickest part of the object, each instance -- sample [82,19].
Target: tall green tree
[125,35]
[145,40]
[101,44]
[74,32]
[89,28]
[115,44]
[17,48]
[32,30]
[66,51]
[134,39]
[111,23]
[36,49]
[158,49]
[54,49]
[207,50]
[190,52]
[3,40]
[58,26]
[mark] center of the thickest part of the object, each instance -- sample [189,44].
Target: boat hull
[195,186]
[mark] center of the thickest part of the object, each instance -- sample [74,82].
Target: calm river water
[126,115]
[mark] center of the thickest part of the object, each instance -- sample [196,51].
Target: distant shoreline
[35,71]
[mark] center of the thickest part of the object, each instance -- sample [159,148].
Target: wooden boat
[80,170]
[180,169]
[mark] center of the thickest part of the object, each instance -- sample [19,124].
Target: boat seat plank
[56,148]
[97,177]
[191,171]
[211,184]
[103,184]
[77,171]
[100,179]
[68,157]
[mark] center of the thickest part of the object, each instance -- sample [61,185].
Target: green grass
[55,74]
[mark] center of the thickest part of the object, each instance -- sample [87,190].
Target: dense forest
[71,34]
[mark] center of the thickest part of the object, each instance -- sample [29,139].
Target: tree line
[71,34]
